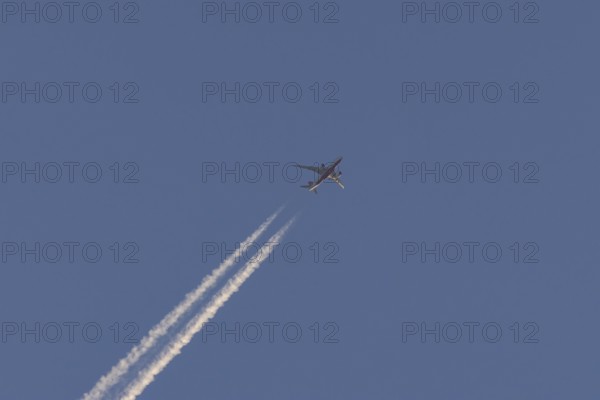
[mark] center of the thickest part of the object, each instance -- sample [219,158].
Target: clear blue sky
[371,294]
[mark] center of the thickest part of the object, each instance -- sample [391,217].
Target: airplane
[324,172]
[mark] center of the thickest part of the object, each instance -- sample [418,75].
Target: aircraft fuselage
[328,172]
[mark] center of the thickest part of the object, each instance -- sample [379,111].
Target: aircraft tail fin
[310,186]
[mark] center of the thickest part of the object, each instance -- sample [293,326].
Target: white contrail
[112,378]
[173,348]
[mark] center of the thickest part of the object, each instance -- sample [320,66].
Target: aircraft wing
[337,180]
[310,168]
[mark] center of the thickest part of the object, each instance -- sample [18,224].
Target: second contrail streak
[173,348]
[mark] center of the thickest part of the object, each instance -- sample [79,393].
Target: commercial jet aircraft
[324,172]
